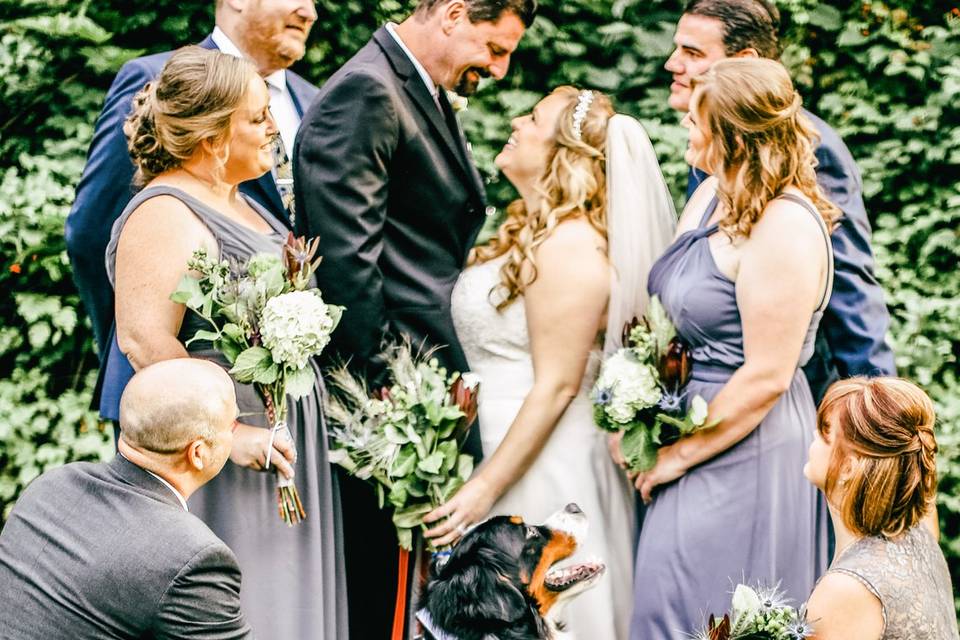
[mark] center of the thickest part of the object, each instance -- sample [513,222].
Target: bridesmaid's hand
[668,468]
[613,446]
[250,450]
[472,503]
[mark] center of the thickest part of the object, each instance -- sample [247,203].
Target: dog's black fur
[481,590]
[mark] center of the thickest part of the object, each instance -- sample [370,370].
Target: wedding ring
[462,529]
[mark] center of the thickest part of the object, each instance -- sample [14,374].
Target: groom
[384,177]
[851,339]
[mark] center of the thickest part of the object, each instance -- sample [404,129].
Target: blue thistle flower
[603,397]
[671,402]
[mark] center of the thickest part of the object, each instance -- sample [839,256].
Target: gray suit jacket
[107,551]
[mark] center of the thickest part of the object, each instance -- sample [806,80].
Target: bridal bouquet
[640,389]
[758,614]
[268,323]
[405,438]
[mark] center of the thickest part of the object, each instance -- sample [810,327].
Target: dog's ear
[469,597]
[477,597]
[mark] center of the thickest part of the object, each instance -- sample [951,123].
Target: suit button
[471,210]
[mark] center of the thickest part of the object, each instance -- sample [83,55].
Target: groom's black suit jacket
[383,176]
[385,180]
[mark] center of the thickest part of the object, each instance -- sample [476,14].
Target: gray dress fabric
[747,515]
[909,576]
[294,583]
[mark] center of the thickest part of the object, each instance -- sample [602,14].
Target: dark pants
[371,554]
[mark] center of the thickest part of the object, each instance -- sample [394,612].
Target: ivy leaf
[189,293]
[251,365]
[203,334]
[299,382]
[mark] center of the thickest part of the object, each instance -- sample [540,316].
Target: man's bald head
[172,403]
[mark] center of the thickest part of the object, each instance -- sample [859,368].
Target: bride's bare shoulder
[576,233]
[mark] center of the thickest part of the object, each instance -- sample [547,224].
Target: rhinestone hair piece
[583,105]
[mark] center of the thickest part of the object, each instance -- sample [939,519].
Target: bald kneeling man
[109,550]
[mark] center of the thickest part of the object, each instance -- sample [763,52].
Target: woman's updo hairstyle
[884,456]
[192,100]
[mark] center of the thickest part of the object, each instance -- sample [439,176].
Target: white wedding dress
[573,466]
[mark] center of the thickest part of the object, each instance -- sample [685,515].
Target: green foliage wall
[885,74]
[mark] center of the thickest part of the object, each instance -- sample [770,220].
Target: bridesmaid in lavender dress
[745,281]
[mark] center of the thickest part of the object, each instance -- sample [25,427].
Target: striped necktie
[283,175]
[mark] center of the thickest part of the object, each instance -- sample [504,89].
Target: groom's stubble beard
[469,81]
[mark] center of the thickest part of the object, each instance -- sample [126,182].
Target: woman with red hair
[874,458]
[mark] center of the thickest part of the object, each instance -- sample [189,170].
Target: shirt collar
[276,80]
[427,80]
[183,502]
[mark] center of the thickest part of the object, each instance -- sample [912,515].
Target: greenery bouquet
[758,614]
[640,389]
[405,437]
[268,322]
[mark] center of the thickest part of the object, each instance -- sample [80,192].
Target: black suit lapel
[417,90]
[448,134]
[466,160]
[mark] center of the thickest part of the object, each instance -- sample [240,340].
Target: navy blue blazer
[106,187]
[852,336]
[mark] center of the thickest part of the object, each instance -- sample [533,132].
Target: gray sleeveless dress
[747,515]
[293,577]
[909,576]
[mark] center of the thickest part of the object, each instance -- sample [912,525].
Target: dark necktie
[283,174]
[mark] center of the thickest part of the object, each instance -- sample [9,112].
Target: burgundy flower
[675,365]
[628,327]
[464,395]
[719,631]
[298,257]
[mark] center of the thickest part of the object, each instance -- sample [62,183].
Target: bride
[568,266]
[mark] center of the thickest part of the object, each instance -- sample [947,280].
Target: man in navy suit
[271,33]
[851,339]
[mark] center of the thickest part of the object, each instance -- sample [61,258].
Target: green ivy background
[885,74]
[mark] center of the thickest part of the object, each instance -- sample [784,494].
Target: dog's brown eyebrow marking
[516,520]
[560,546]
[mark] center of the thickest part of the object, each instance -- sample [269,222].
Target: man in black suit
[852,336]
[271,33]
[108,550]
[384,177]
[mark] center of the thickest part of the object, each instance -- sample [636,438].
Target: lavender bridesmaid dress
[748,514]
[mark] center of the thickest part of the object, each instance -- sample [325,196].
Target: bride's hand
[250,450]
[667,469]
[472,503]
[613,446]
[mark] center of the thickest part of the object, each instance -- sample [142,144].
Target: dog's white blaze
[574,524]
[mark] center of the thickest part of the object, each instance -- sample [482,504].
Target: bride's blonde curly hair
[573,185]
[759,141]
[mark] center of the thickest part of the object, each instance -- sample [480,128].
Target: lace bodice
[910,578]
[496,344]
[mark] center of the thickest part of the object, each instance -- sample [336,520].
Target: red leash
[400,608]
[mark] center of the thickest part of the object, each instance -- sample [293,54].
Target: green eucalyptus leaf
[431,464]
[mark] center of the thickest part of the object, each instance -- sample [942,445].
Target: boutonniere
[457,102]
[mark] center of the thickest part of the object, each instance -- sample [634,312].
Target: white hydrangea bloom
[632,383]
[295,326]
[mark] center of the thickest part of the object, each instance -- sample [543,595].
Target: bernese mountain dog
[504,580]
